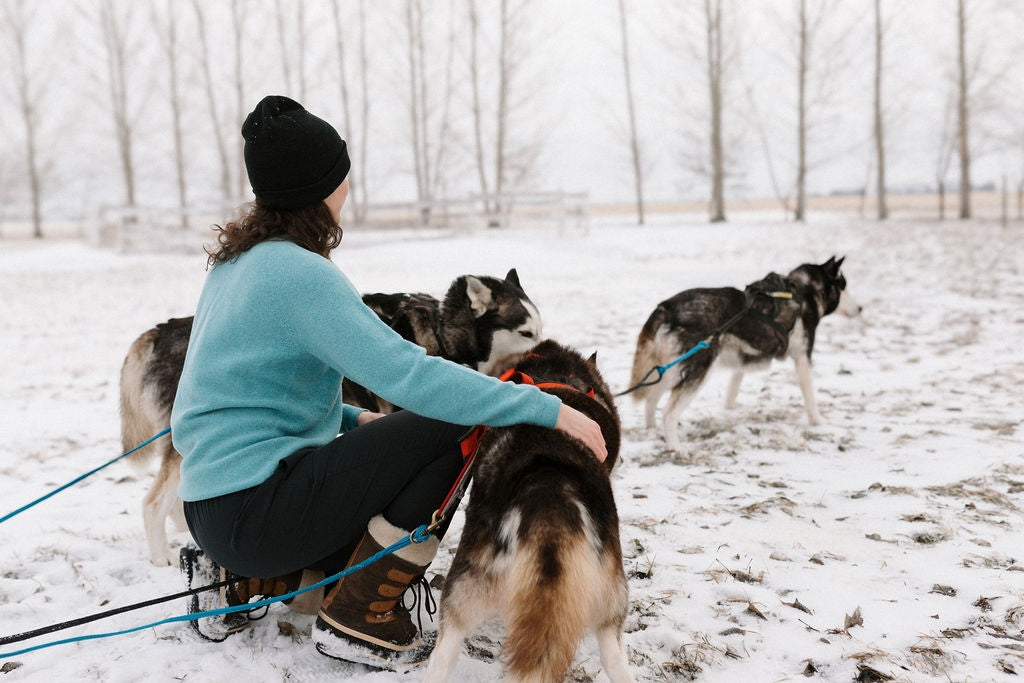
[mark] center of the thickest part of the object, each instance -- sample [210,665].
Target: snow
[889,539]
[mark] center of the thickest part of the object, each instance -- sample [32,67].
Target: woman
[270,487]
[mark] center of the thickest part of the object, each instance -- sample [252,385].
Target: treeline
[132,102]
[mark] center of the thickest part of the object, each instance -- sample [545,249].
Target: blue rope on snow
[419,535]
[78,479]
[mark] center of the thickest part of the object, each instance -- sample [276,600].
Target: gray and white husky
[773,318]
[482,322]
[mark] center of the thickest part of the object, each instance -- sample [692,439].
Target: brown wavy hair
[311,227]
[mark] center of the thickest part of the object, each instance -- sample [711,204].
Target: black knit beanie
[293,158]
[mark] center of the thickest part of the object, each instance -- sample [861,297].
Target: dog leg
[651,405]
[158,504]
[733,389]
[613,654]
[803,375]
[445,654]
[677,402]
[177,515]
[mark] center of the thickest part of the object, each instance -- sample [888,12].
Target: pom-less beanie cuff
[297,197]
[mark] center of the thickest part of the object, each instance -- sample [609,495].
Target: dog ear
[513,278]
[479,295]
[592,361]
[839,263]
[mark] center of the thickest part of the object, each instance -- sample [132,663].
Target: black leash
[53,628]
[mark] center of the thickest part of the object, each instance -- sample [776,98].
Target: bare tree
[477,107]
[169,40]
[292,45]
[822,63]
[238,29]
[963,111]
[227,164]
[282,39]
[357,176]
[801,108]
[28,91]
[302,39]
[503,141]
[713,20]
[634,141]
[115,25]
[429,109]
[879,124]
[418,111]
[944,153]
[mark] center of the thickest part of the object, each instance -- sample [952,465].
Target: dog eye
[527,334]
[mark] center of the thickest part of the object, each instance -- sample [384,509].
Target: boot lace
[422,597]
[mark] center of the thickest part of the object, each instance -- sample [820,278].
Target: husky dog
[540,545]
[773,318]
[481,322]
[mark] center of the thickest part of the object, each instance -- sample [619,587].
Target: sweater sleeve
[328,318]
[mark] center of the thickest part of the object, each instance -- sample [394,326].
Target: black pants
[313,510]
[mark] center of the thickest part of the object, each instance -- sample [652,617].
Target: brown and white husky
[540,546]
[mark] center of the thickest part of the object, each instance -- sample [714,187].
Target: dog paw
[164,560]
[817,420]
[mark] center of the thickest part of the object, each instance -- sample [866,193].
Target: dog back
[540,546]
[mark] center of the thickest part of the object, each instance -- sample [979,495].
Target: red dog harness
[471,442]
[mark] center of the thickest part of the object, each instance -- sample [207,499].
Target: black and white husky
[481,323]
[772,318]
[540,545]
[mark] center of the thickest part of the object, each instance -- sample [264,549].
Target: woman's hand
[574,423]
[367,416]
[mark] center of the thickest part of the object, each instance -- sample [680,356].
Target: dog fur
[481,323]
[540,545]
[772,328]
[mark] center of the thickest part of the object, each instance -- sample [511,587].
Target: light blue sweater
[275,332]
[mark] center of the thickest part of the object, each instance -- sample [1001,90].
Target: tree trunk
[883,210]
[474,76]
[634,142]
[356,201]
[238,26]
[171,52]
[18,19]
[963,112]
[211,102]
[713,15]
[114,40]
[801,167]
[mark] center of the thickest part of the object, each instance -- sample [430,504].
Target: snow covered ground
[886,544]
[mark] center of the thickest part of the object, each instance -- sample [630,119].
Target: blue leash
[419,535]
[78,479]
[662,369]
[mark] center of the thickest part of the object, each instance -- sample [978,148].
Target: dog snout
[848,307]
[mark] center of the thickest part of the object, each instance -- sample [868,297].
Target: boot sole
[349,648]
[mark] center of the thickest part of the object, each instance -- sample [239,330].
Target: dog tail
[553,596]
[136,424]
[645,358]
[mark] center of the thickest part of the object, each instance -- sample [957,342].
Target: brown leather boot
[307,603]
[363,618]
